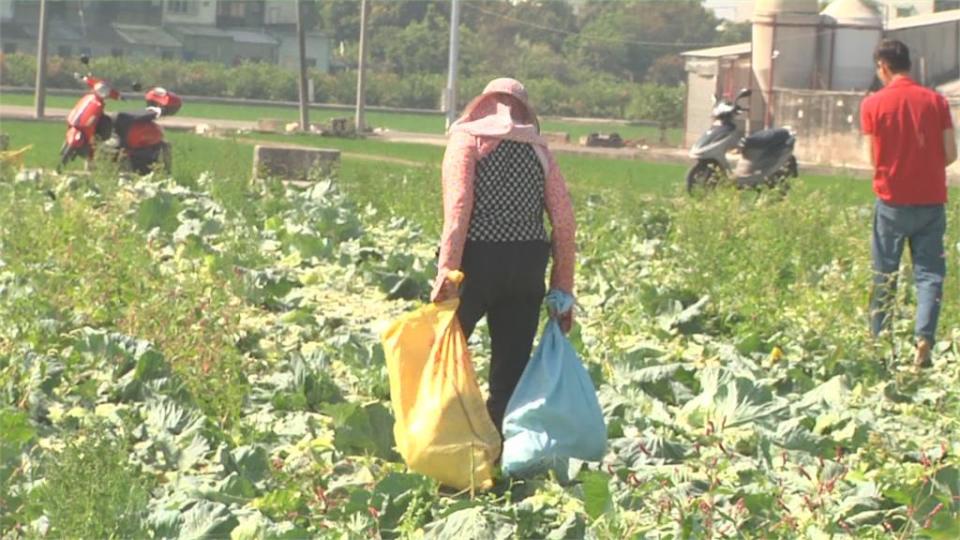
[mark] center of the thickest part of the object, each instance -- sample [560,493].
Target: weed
[91,491]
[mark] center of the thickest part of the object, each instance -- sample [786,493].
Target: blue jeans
[923,227]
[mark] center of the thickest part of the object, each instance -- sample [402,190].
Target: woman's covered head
[503,91]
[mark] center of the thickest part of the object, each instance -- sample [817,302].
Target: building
[810,69]
[227,31]
[742,10]
[898,9]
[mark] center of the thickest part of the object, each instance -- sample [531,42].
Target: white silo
[784,50]
[851,31]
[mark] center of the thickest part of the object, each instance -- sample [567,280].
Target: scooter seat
[768,138]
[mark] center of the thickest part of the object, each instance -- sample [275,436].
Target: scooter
[766,157]
[135,141]
[87,120]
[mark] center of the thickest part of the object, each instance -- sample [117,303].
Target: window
[178,6]
[116,53]
[232,9]
[9,48]
[906,11]
[64,51]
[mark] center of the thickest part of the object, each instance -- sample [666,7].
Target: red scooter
[138,143]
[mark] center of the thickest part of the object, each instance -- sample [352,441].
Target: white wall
[317,46]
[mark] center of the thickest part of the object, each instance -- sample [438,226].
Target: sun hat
[502,85]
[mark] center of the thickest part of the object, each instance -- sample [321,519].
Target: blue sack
[553,414]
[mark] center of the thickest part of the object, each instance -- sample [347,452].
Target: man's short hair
[894,54]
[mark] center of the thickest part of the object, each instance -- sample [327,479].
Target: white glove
[157,111]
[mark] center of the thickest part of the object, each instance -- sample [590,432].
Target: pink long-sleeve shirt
[459,166]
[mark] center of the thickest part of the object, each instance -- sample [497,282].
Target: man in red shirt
[912,142]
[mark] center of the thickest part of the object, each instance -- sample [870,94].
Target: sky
[727,9]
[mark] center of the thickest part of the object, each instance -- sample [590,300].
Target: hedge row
[596,97]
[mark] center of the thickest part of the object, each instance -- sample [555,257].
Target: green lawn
[621,185]
[412,122]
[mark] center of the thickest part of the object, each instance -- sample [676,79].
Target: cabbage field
[200,359]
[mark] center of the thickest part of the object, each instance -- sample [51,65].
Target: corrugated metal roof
[719,52]
[146,35]
[929,19]
[203,31]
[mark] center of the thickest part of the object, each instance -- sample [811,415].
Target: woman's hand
[446,286]
[447,290]
[566,321]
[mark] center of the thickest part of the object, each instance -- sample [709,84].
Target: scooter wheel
[66,155]
[166,156]
[703,175]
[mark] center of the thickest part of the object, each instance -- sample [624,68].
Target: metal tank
[784,51]
[850,32]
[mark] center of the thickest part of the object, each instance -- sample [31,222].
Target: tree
[419,47]
[626,38]
[661,104]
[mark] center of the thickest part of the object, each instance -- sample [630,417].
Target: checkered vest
[508,195]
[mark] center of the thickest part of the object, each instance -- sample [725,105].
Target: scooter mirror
[746,92]
[84,59]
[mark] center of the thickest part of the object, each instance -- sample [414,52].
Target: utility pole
[360,124]
[451,91]
[302,43]
[40,90]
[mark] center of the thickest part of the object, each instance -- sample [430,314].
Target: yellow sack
[442,428]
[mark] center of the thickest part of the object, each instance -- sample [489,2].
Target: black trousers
[505,282]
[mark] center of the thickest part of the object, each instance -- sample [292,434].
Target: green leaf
[207,519]
[362,429]
[475,523]
[159,211]
[151,365]
[252,462]
[596,493]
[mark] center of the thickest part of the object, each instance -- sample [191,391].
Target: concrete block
[291,162]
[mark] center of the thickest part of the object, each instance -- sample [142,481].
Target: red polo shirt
[907,122]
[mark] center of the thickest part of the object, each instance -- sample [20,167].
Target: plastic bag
[442,426]
[553,414]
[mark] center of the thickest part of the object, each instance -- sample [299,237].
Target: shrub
[572,93]
[17,70]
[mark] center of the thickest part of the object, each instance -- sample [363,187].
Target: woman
[498,178]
